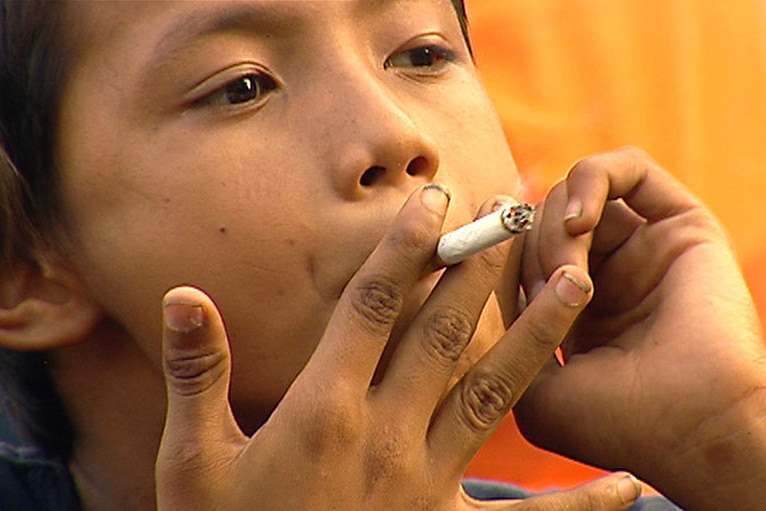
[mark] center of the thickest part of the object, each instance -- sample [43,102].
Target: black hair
[33,63]
[462,17]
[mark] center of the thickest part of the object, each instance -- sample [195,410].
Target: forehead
[144,35]
[141,39]
[185,18]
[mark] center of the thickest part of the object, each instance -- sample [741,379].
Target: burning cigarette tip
[507,222]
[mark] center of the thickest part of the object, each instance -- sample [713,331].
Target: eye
[251,88]
[429,58]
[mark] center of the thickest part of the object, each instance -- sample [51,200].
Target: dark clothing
[32,482]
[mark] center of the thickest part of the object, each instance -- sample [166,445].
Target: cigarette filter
[511,220]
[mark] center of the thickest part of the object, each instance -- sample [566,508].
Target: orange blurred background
[683,79]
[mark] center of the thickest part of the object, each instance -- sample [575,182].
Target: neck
[116,399]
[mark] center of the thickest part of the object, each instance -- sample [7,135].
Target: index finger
[361,324]
[628,174]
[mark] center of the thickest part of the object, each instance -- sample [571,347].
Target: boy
[201,143]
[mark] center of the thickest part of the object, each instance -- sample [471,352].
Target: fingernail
[183,317]
[571,290]
[573,210]
[629,489]
[435,198]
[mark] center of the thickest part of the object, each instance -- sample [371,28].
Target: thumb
[614,492]
[200,431]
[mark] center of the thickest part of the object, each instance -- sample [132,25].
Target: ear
[44,305]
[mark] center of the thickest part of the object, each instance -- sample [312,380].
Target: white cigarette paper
[511,220]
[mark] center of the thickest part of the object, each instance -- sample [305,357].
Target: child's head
[256,149]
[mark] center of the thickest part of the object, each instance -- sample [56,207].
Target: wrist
[721,462]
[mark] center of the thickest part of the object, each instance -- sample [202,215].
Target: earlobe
[43,305]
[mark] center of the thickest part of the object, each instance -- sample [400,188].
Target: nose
[377,141]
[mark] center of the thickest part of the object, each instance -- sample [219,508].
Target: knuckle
[634,153]
[485,399]
[387,457]
[689,228]
[183,470]
[492,260]
[328,426]
[182,457]
[702,221]
[424,502]
[580,167]
[561,186]
[589,167]
[542,336]
[194,374]
[595,164]
[447,333]
[377,302]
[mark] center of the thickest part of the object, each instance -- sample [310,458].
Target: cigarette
[507,222]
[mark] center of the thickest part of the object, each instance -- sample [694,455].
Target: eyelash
[254,88]
[429,59]
[251,89]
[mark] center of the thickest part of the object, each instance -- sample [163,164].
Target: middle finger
[423,364]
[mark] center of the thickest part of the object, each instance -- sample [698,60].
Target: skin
[163,185]
[245,214]
[271,205]
[669,356]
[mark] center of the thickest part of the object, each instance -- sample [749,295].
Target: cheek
[145,213]
[257,296]
[480,160]
[132,252]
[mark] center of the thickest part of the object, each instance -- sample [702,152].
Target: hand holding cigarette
[508,221]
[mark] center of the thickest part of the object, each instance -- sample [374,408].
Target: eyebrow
[251,17]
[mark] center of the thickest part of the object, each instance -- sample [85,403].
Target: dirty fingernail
[571,290]
[183,317]
[629,489]
[573,210]
[435,198]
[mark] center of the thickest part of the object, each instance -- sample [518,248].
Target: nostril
[418,166]
[371,175]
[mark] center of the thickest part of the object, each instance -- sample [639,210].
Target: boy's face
[258,150]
